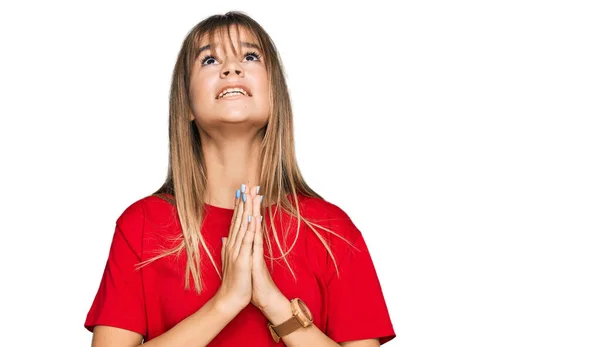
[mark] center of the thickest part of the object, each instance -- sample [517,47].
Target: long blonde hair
[186,178]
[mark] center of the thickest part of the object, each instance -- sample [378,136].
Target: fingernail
[260,219]
[257,189]
[222,240]
[237,194]
[244,197]
[249,219]
[243,188]
[261,197]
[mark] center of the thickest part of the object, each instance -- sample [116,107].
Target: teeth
[231,91]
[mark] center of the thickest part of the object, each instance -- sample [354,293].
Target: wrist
[226,306]
[278,310]
[285,321]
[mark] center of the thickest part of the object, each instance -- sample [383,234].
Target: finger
[244,224]
[240,243]
[235,225]
[236,202]
[256,201]
[223,247]
[257,248]
[246,246]
[258,237]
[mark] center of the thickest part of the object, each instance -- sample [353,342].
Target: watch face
[304,309]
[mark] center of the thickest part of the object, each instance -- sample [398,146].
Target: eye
[209,59]
[255,56]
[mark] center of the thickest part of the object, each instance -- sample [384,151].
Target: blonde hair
[186,177]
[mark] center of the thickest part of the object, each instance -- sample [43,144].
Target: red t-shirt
[152,300]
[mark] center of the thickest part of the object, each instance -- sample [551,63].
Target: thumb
[223,243]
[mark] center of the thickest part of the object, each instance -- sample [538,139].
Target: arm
[280,311]
[276,307]
[196,330]
[202,326]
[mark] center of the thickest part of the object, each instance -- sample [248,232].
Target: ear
[192,117]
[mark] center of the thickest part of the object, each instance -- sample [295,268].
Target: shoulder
[329,215]
[147,207]
[141,214]
[319,208]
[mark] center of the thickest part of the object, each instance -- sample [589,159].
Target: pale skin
[231,135]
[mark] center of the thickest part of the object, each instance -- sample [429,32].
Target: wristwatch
[301,318]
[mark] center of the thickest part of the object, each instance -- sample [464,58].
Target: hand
[264,289]
[236,256]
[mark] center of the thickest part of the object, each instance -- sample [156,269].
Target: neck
[229,164]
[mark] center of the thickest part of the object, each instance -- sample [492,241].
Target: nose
[226,73]
[232,65]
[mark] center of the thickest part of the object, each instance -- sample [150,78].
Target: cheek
[200,94]
[265,82]
[201,89]
[265,90]
[202,81]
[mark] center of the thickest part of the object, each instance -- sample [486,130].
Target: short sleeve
[356,306]
[119,301]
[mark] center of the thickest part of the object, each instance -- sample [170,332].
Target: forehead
[230,37]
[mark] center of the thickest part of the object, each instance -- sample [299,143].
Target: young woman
[235,249]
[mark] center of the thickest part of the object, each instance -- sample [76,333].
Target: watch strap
[287,327]
[301,318]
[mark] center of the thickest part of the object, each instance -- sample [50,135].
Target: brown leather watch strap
[287,327]
[301,317]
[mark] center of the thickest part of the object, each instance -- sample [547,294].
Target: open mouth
[231,92]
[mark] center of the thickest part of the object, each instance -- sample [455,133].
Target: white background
[461,137]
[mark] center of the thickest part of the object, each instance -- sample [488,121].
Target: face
[226,88]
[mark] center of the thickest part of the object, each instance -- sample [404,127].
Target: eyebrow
[244,44]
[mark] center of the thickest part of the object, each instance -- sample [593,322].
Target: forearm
[197,329]
[280,310]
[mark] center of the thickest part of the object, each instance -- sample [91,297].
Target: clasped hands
[246,277]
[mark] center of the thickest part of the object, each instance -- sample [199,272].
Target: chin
[243,117]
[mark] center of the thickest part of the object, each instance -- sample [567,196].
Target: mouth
[233,92]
